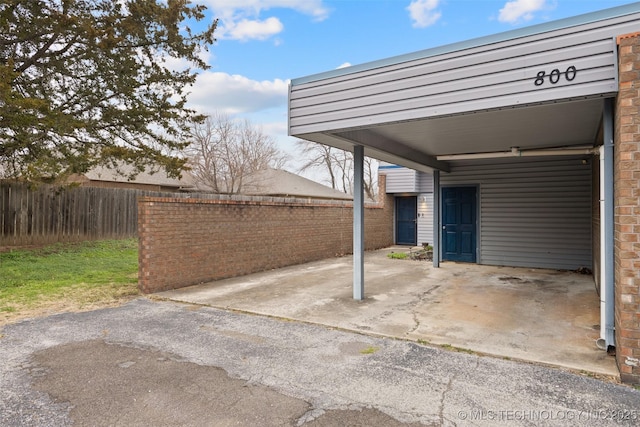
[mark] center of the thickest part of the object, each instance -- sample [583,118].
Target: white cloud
[521,10]
[180,64]
[235,94]
[254,29]
[241,19]
[345,65]
[313,8]
[423,13]
[277,129]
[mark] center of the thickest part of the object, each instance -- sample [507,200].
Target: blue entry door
[406,220]
[459,224]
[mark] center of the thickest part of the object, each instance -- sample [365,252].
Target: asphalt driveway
[165,363]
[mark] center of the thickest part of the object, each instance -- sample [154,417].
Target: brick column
[627,211]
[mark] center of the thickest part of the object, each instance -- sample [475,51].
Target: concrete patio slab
[543,316]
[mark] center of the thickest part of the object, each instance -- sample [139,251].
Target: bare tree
[338,166]
[343,161]
[224,152]
[371,178]
[318,157]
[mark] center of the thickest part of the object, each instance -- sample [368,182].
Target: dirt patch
[48,308]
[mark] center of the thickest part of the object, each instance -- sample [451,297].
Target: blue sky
[263,44]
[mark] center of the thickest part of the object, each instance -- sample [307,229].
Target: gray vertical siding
[533,213]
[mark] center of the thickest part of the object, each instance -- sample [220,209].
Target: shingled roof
[281,183]
[147,177]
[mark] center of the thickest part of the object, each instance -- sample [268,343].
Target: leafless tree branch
[338,166]
[223,153]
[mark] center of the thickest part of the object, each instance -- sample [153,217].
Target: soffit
[534,127]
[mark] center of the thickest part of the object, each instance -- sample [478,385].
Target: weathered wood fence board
[49,214]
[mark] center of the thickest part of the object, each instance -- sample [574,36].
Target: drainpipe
[607,228]
[603,256]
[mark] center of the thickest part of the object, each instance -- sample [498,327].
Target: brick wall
[187,241]
[627,212]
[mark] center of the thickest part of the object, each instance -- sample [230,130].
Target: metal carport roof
[478,96]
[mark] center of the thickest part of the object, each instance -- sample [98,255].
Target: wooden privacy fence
[49,214]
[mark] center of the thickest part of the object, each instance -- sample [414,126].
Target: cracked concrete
[544,316]
[166,363]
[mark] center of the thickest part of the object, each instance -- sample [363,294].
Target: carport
[517,128]
[537,315]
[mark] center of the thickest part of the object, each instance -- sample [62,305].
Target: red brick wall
[627,212]
[187,241]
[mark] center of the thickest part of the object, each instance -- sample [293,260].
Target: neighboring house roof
[278,182]
[281,183]
[147,177]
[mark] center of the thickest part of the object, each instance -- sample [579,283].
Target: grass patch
[398,255]
[67,276]
[369,350]
[426,253]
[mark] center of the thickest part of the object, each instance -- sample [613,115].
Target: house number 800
[554,76]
